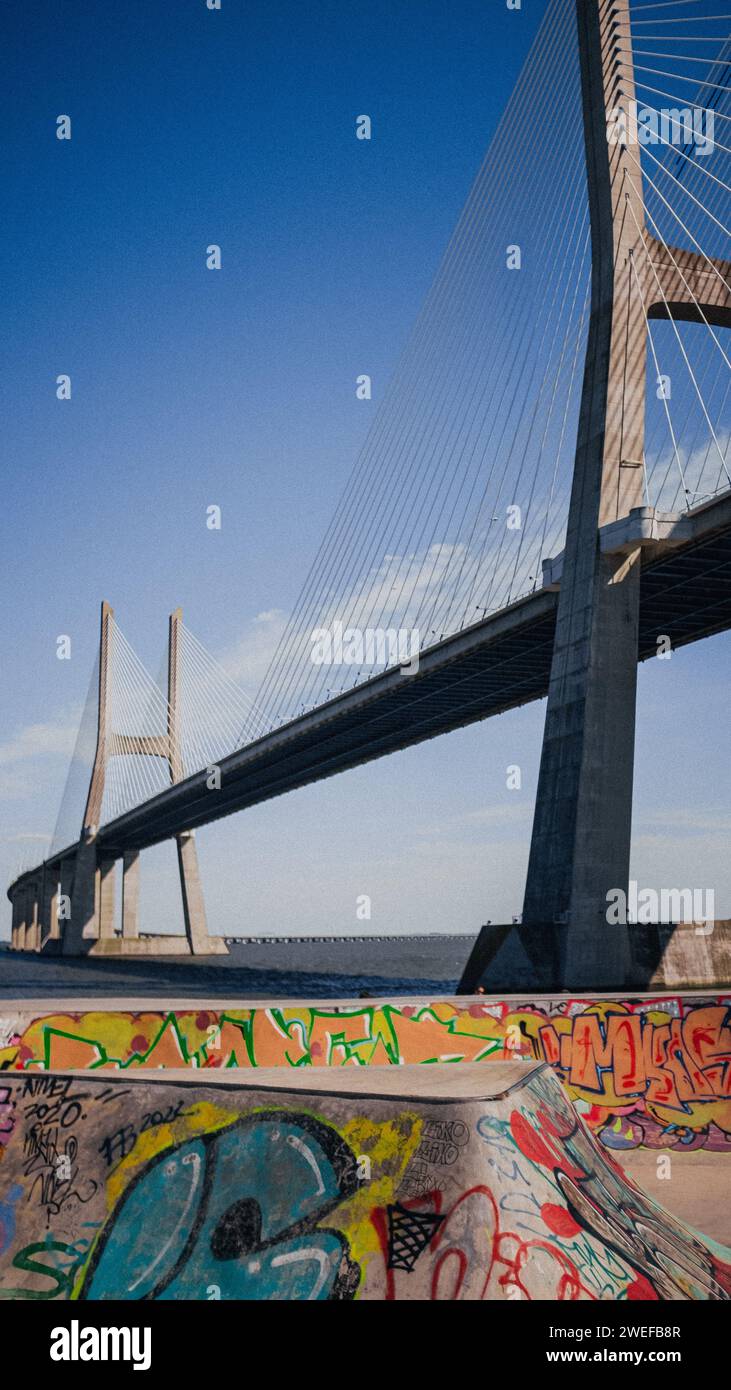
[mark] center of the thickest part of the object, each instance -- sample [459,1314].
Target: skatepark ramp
[386,1183]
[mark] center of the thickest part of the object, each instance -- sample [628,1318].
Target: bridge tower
[580,846]
[93,889]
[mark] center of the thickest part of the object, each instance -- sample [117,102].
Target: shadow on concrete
[515,958]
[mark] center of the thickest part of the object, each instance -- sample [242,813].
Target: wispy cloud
[31,746]
[706,468]
[246,662]
[53,739]
[518,812]
[680,818]
[24,838]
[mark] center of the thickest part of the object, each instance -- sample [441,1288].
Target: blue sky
[236,388]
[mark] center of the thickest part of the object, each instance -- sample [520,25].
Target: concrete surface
[697,1187]
[671,957]
[398,1183]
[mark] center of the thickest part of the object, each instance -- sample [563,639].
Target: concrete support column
[15,927]
[47,906]
[105,889]
[66,890]
[22,920]
[33,927]
[83,925]
[130,894]
[60,888]
[582,827]
[194,910]
[581,831]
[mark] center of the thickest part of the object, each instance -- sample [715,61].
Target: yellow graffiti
[276,1037]
[652,1072]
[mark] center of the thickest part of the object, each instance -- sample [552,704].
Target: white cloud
[416,590]
[706,470]
[502,815]
[19,777]
[53,739]
[682,818]
[23,838]
[247,661]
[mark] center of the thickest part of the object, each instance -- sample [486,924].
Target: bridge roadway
[500,662]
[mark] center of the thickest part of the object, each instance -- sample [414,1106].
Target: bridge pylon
[91,928]
[580,847]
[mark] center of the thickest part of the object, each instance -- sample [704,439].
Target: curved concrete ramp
[437,1182]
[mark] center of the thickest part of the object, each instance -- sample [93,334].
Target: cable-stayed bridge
[544,498]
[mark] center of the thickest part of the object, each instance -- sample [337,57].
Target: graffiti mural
[266,1244]
[642,1072]
[223,1191]
[292,1035]
[656,1073]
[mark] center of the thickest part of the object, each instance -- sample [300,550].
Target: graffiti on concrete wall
[291,1172]
[223,1192]
[653,1072]
[656,1074]
[294,1036]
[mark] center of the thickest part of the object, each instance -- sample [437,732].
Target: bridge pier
[582,825]
[27,901]
[580,846]
[17,934]
[47,907]
[82,927]
[54,926]
[33,926]
[92,927]
[130,895]
[194,908]
[62,894]
[105,892]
